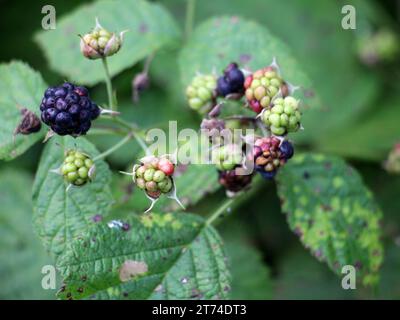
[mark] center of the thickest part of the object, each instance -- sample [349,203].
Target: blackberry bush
[117,237]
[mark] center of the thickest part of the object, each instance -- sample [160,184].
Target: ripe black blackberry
[231,82]
[233,182]
[68,110]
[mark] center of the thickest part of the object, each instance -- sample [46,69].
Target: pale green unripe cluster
[100,43]
[201,91]
[283,117]
[227,157]
[77,168]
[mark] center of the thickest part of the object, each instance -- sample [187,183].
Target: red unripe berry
[166,166]
[256,106]
[248,81]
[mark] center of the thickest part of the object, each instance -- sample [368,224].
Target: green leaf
[333,213]
[302,277]
[61,215]
[250,276]
[20,87]
[150,27]
[168,256]
[246,42]
[21,254]
[372,137]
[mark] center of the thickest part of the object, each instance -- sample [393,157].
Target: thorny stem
[108,84]
[190,10]
[128,137]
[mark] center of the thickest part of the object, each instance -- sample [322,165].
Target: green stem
[190,10]
[108,84]
[220,211]
[128,137]
[235,202]
[98,131]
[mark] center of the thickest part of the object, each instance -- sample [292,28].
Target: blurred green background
[357,75]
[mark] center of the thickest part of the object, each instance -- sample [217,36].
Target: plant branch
[190,11]
[128,137]
[108,84]
[232,203]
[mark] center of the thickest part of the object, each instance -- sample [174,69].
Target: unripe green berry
[83,172]
[151,186]
[78,162]
[191,92]
[275,82]
[265,101]
[278,109]
[284,120]
[288,109]
[158,176]
[204,94]
[278,130]
[260,92]
[270,74]
[275,119]
[255,84]
[72,176]
[140,183]
[148,174]
[140,171]
[166,185]
[265,82]
[272,91]
[69,167]
[88,163]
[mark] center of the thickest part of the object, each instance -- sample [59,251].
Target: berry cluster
[100,43]
[231,82]
[77,168]
[233,182]
[262,86]
[269,154]
[154,175]
[68,110]
[201,92]
[283,117]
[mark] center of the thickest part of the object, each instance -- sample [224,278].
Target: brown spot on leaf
[131,268]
